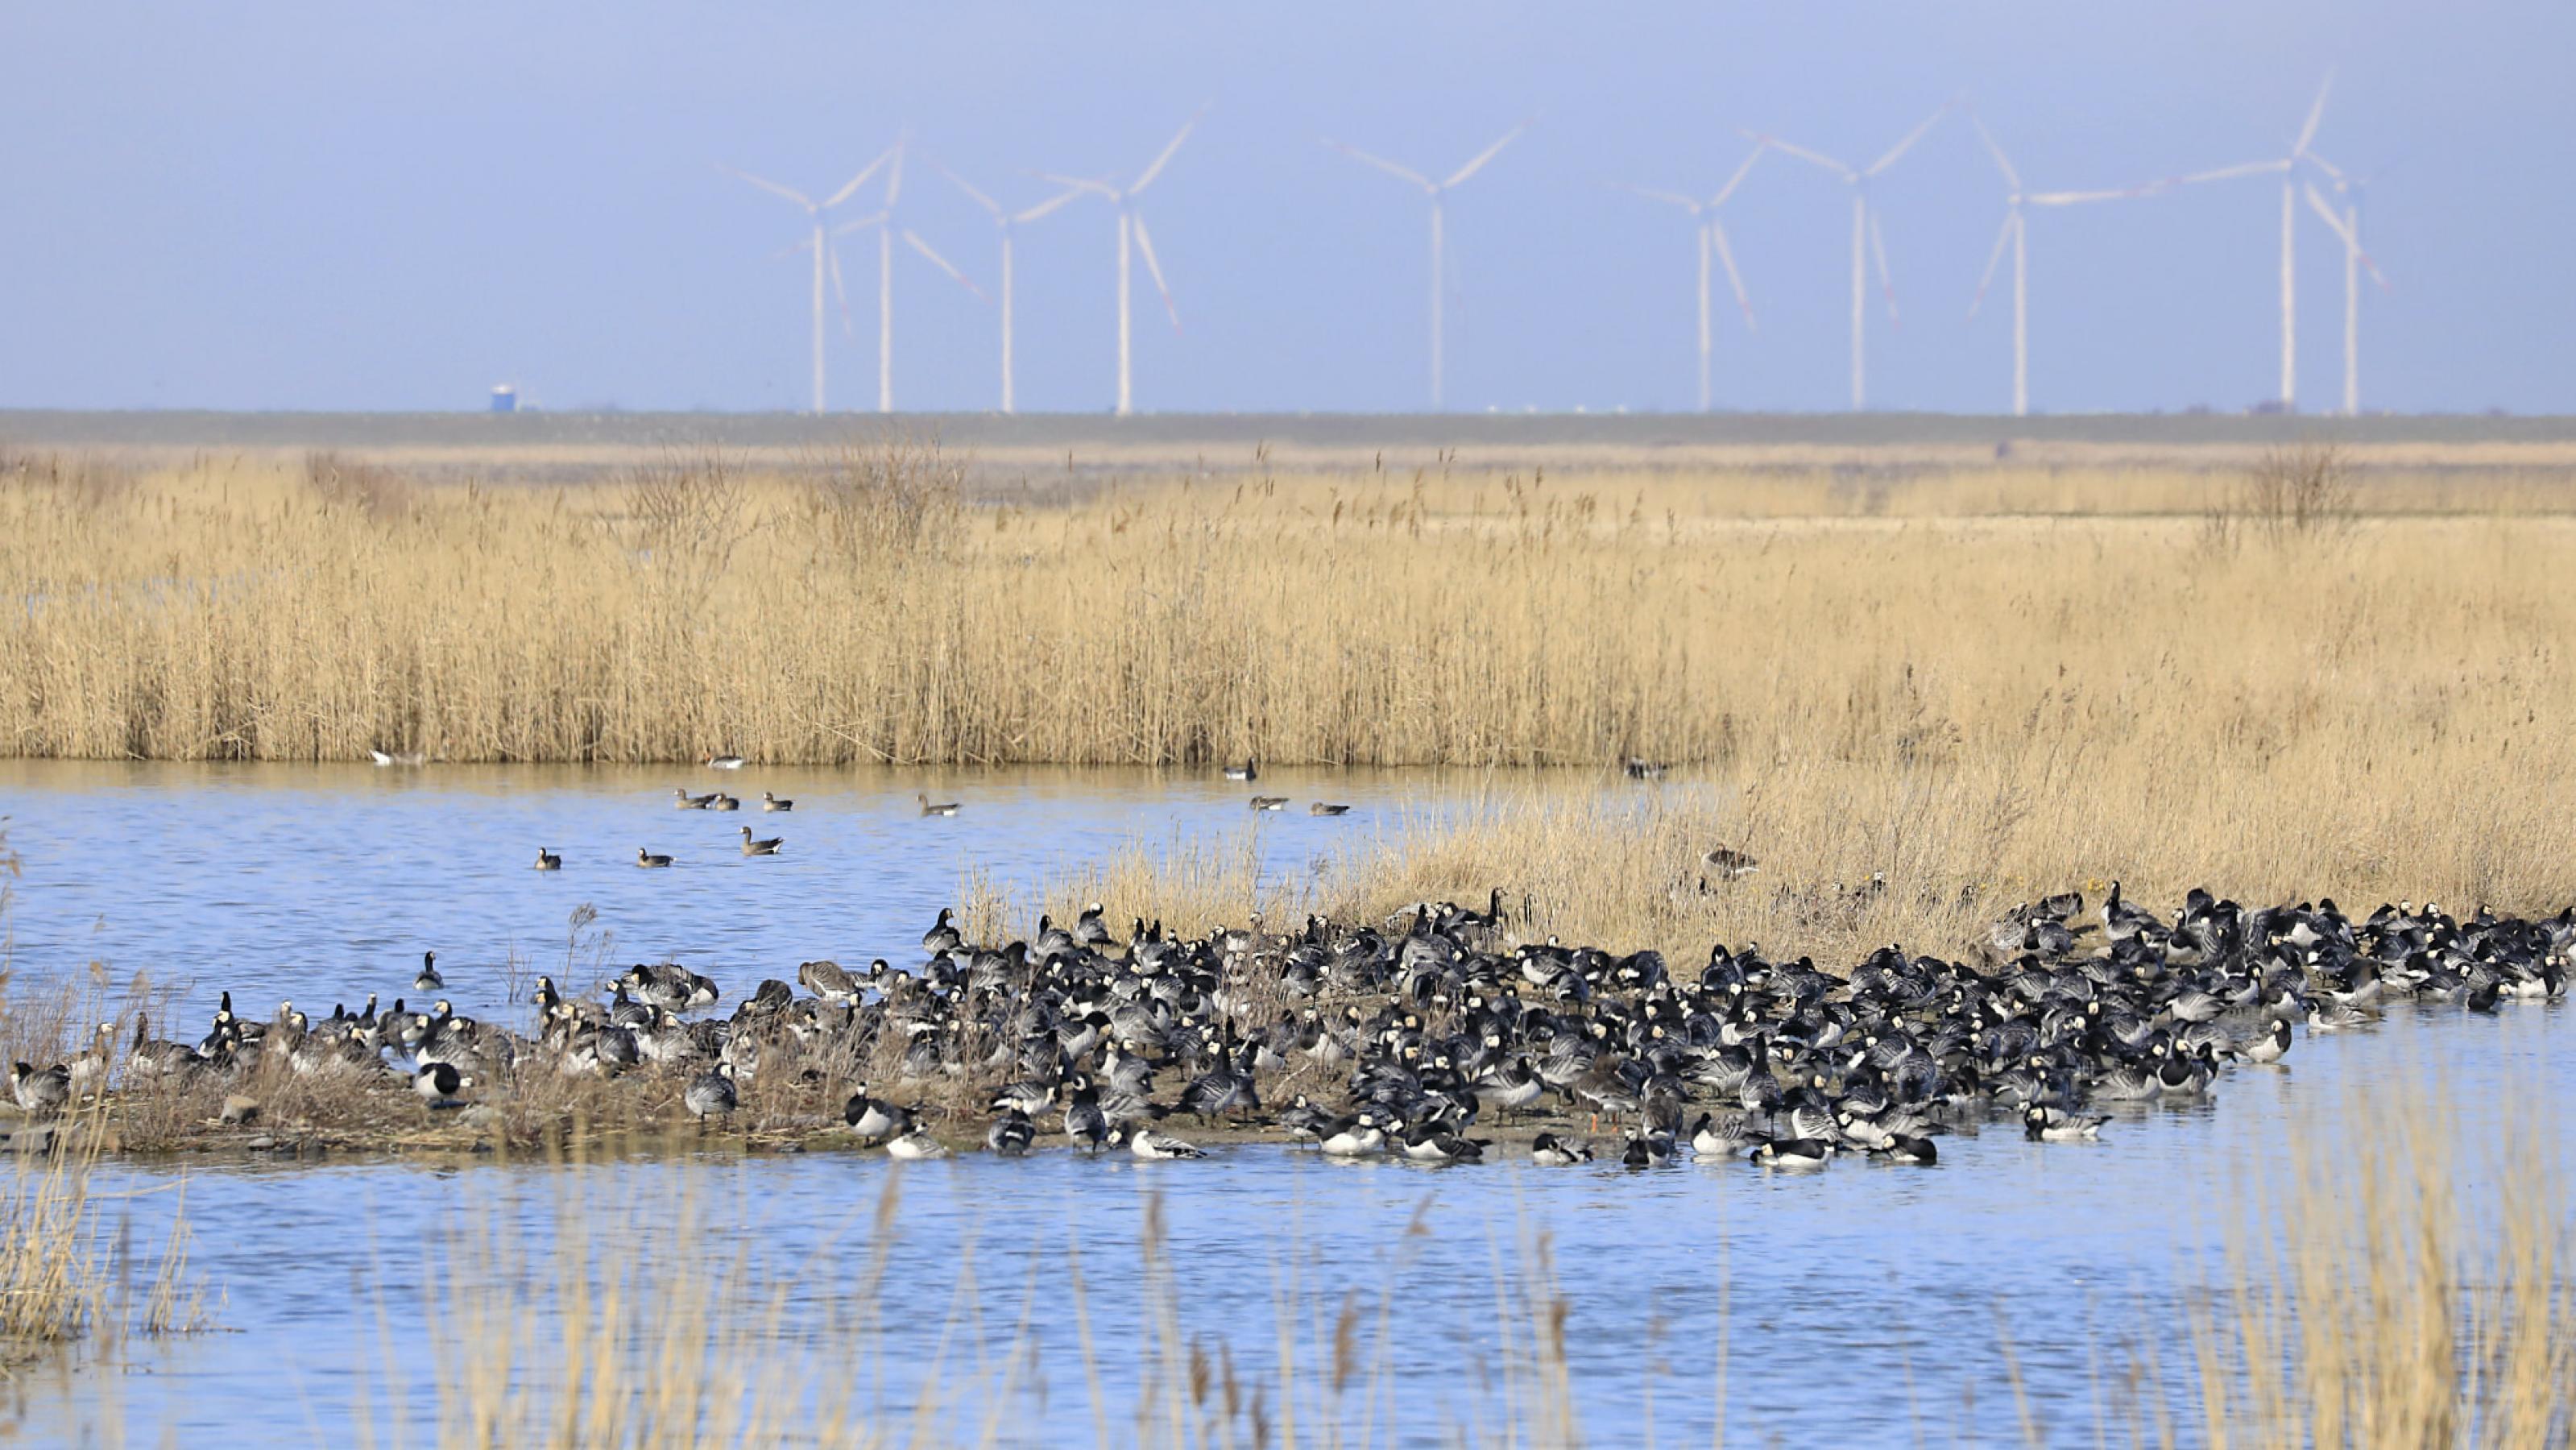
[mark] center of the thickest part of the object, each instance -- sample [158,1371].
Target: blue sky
[394,207]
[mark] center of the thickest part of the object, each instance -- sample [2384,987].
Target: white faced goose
[1327,808]
[764,847]
[548,860]
[438,1084]
[770,802]
[650,861]
[930,807]
[428,979]
[915,1144]
[1249,770]
[724,802]
[688,802]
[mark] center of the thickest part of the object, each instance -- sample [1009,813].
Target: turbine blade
[1994,149]
[1917,134]
[862,224]
[942,263]
[1816,157]
[1078,183]
[1382,164]
[1488,154]
[986,202]
[894,176]
[1886,284]
[1734,279]
[2329,168]
[2343,233]
[850,187]
[1741,172]
[789,192]
[2230,173]
[1650,194]
[1048,205]
[2316,113]
[1145,246]
[843,293]
[1994,259]
[2078,198]
[1156,169]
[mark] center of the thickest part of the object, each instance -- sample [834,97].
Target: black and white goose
[1550,1151]
[1012,1134]
[711,1094]
[428,979]
[439,1083]
[875,1119]
[1147,1142]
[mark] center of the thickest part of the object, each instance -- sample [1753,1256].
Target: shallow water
[1859,1305]
[320,884]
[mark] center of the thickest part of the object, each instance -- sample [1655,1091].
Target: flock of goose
[1405,1038]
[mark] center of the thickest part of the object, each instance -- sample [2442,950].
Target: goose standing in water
[1548,1150]
[649,861]
[768,846]
[1011,1134]
[914,1144]
[770,802]
[930,807]
[428,980]
[549,860]
[1145,1142]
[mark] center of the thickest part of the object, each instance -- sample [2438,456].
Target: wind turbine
[1007,222]
[826,257]
[2016,231]
[2288,167]
[1866,238]
[1711,231]
[887,231]
[1132,225]
[1436,190]
[2347,229]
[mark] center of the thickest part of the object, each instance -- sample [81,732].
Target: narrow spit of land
[1435,1037]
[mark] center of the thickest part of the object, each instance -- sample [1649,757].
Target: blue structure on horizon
[505,398]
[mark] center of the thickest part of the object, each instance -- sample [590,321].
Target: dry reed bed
[1370,619]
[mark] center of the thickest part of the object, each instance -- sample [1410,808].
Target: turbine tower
[2347,229]
[2288,167]
[1436,190]
[1711,233]
[1007,222]
[826,258]
[887,230]
[1131,228]
[2016,232]
[1866,239]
